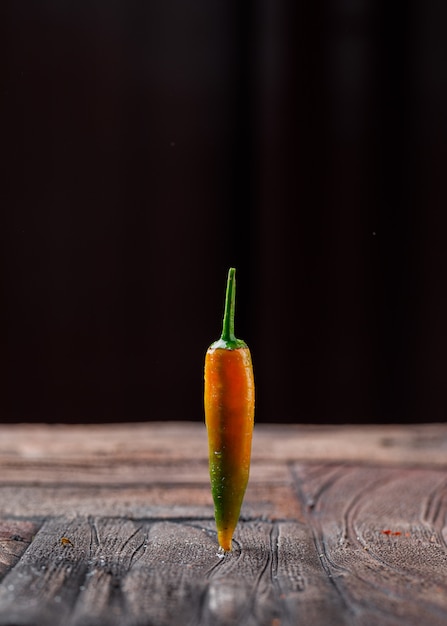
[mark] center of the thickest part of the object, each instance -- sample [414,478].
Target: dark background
[148,145]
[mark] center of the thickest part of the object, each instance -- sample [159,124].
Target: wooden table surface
[113,525]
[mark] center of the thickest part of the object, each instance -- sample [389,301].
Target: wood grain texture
[98,531]
[133,443]
[15,537]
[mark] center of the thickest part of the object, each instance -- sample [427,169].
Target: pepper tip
[225,540]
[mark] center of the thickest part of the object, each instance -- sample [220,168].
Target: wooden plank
[142,501]
[419,444]
[136,572]
[321,540]
[122,572]
[341,565]
[121,472]
[15,537]
[169,559]
[381,537]
[45,585]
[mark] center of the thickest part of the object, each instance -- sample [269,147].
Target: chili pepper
[229,418]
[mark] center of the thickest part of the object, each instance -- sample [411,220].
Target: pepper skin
[229,418]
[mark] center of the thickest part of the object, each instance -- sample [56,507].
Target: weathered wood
[15,537]
[136,572]
[114,526]
[416,444]
[376,534]
[141,502]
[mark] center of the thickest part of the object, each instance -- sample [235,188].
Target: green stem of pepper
[228,340]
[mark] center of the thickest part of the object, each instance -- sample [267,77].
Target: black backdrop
[148,145]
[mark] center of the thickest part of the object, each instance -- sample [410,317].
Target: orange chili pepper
[229,418]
